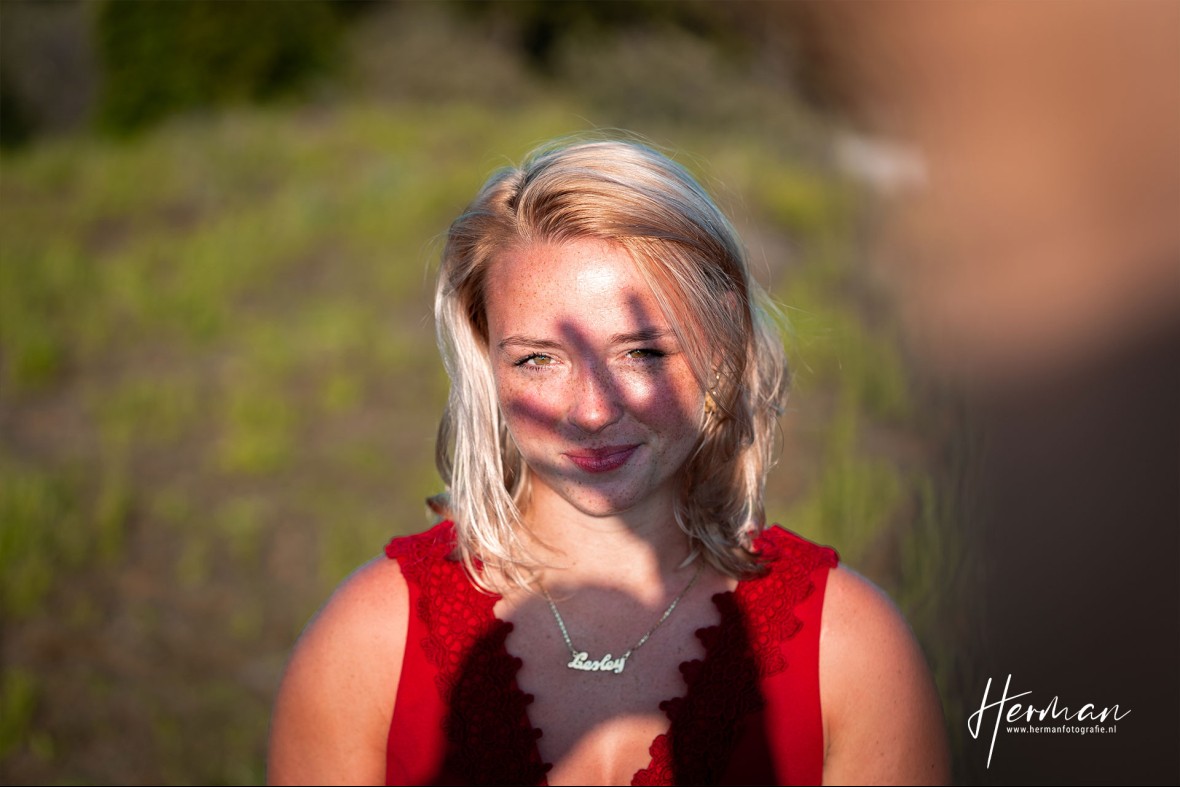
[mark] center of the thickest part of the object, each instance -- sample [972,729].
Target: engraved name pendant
[581,661]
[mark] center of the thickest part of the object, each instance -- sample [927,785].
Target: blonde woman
[603,602]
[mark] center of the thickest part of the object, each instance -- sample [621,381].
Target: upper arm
[882,718]
[334,706]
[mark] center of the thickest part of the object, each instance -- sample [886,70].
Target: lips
[602,460]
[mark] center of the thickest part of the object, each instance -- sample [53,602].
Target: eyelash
[531,356]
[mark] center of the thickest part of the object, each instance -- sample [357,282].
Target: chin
[603,499]
[602,505]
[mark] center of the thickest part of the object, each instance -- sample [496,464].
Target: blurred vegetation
[15,127]
[161,58]
[541,30]
[218,379]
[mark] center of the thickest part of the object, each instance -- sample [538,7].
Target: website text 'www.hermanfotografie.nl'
[1097,729]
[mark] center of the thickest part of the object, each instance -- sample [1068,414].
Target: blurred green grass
[220,391]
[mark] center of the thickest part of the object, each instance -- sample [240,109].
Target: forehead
[586,284]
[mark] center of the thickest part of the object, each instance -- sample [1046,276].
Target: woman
[603,604]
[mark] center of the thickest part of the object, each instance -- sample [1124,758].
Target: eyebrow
[633,337]
[527,341]
[640,336]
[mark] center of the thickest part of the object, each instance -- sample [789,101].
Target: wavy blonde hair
[640,200]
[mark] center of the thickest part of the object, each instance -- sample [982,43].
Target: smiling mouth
[602,460]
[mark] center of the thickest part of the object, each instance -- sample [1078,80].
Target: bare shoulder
[883,721]
[332,714]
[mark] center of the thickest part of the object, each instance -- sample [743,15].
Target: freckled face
[596,391]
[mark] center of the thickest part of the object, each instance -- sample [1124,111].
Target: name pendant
[581,661]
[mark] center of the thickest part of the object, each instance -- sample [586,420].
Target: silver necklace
[580,660]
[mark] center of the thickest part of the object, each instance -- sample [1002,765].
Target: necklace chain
[580,660]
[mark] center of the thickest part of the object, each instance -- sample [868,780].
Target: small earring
[710,402]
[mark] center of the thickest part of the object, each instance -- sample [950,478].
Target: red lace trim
[722,689]
[488,729]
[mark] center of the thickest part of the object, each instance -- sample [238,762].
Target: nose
[594,401]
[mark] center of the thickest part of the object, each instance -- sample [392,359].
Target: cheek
[670,403]
[528,406]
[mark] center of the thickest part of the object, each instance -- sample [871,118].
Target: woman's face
[597,393]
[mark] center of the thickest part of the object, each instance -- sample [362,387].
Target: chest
[600,726]
[485,695]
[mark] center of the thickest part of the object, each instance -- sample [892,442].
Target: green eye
[536,359]
[645,353]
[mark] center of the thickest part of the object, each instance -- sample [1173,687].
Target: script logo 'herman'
[1025,713]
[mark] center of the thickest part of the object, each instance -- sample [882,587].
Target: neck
[641,549]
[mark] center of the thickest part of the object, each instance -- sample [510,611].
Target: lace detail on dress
[491,738]
[455,612]
[722,690]
[768,602]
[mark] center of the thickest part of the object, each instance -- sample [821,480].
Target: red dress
[750,713]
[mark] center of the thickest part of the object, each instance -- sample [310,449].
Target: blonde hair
[640,200]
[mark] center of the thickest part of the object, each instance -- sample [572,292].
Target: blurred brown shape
[1048,228]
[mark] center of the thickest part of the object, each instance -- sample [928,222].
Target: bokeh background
[219,386]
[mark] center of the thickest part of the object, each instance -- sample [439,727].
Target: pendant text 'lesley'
[581,661]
